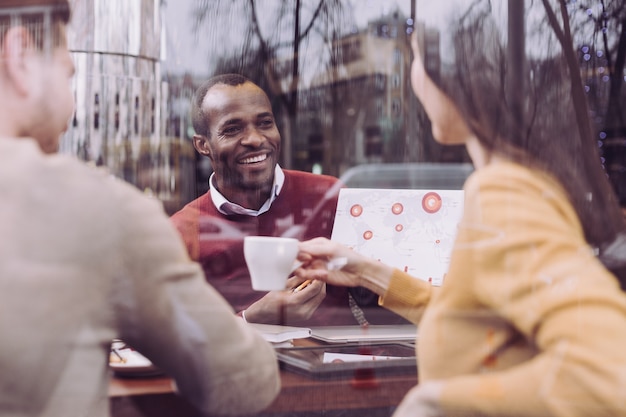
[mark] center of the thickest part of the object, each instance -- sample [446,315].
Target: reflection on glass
[338,77]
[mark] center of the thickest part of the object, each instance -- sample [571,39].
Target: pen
[117,353]
[302,286]
[333,265]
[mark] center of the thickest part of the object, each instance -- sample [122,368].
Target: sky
[182,47]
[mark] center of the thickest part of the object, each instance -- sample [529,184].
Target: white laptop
[413,230]
[371,333]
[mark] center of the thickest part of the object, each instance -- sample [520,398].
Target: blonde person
[529,320]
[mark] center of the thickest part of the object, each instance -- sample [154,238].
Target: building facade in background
[121,99]
[362,109]
[133,119]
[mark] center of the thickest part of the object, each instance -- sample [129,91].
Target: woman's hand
[357,270]
[315,255]
[276,306]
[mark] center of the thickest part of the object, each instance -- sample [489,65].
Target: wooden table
[299,395]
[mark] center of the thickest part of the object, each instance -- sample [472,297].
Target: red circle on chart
[356,210]
[399,227]
[368,234]
[397,208]
[431,202]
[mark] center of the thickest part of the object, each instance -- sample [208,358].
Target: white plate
[131,363]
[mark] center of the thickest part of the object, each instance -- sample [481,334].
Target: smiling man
[242,142]
[249,194]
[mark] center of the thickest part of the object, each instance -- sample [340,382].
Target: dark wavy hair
[529,108]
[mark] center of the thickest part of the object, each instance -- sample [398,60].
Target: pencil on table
[118,355]
[302,286]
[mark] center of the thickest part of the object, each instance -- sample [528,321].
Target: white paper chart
[412,230]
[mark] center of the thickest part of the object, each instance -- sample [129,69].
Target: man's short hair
[200,120]
[42,18]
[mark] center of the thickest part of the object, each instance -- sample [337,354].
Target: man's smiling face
[244,142]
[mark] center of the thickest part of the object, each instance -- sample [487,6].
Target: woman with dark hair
[530,319]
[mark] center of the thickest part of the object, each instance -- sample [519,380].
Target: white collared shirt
[227,207]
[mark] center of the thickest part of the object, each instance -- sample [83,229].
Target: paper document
[277,334]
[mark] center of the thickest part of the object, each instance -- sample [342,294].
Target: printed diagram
[413,230]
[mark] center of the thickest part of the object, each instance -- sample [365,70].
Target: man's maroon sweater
[304,209]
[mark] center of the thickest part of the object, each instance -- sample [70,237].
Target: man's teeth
[254,159]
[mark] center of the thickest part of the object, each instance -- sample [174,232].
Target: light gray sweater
[85,258]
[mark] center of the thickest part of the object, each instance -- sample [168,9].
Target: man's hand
[279,307]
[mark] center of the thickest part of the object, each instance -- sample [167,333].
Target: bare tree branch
[306,31]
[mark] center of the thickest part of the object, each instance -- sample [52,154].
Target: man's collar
[228,208]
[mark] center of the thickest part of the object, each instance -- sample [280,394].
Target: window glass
[349,63]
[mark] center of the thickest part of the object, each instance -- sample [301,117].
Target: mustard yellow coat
[527,321]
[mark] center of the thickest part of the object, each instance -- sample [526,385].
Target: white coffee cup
[270,260]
